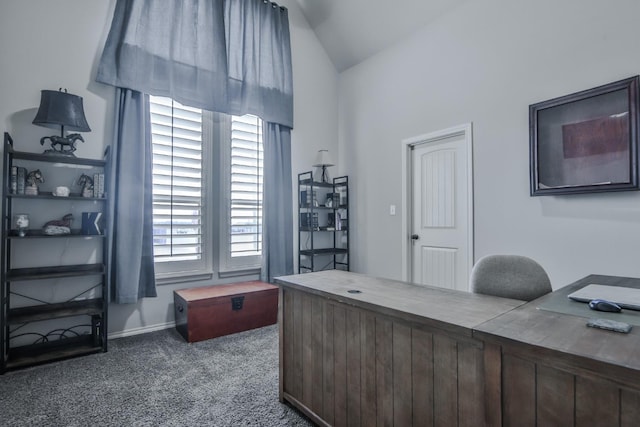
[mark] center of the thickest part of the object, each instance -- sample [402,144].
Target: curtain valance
[230,56]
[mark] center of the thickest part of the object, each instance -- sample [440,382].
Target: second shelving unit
[323,224]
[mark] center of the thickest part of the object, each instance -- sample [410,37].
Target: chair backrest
[509,276]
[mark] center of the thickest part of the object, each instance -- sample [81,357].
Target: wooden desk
[558,372]
[393,354]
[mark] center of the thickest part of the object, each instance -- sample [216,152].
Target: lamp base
[325,175]
[54,152]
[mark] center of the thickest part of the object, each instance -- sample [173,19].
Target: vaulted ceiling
[353,30]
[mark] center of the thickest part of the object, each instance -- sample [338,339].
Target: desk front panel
[537,394]
[343,365]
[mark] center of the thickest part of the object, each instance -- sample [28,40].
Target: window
[242,224]
[207,169]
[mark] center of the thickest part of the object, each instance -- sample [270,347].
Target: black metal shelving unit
[44,314]
[323,224]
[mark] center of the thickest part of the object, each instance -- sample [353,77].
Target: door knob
[414,237]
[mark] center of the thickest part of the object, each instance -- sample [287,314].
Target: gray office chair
[509,276]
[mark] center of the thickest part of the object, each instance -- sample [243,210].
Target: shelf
[48,158]
[315,207]
[334,208]
[39,234]
[17,274]
[53,350]
[35,313]
[309,229]
[308,182]
[305,267]
[72,196]
[324,251]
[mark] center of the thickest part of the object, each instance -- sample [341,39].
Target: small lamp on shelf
[64,110]
[323,161]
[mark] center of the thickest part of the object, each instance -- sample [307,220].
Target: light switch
[392,209]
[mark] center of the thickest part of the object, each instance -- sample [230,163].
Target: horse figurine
[86,182]
[58,226]
[34,177]
[32,180]
[68,141]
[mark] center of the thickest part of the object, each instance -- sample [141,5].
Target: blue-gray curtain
[173,48]
[229,56]
[277,238]
[130,209]
[260,80]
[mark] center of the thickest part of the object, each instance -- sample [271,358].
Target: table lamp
[58,108]
[324,161]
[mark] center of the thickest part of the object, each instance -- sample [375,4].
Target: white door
[441,222]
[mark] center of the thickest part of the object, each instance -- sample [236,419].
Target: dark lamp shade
[59,108]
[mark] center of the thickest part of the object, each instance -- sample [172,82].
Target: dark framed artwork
[585,142]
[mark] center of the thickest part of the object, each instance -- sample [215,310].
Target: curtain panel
[260,80]
[277,230]
[130,208]
[229,56]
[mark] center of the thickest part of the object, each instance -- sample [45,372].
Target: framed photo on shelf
[585,142]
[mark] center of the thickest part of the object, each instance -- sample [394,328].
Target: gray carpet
[155,379]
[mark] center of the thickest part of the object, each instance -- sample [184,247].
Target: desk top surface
[447,309]
[566,334]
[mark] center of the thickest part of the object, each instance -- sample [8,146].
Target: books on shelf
[14,180]
[20,175]
[333,200]
[341,219]
[98,185]
[342,196]
[307,199]
[307,220]
[331,221]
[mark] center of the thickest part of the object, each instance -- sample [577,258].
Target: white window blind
[177,180]
[245,212]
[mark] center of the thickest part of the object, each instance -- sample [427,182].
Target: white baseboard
[142,330]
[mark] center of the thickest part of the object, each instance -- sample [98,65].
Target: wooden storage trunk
[213,311]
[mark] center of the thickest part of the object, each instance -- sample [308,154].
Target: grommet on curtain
[275,5]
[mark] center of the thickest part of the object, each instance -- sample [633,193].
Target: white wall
[486,62]
[50,44]
[315,99]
